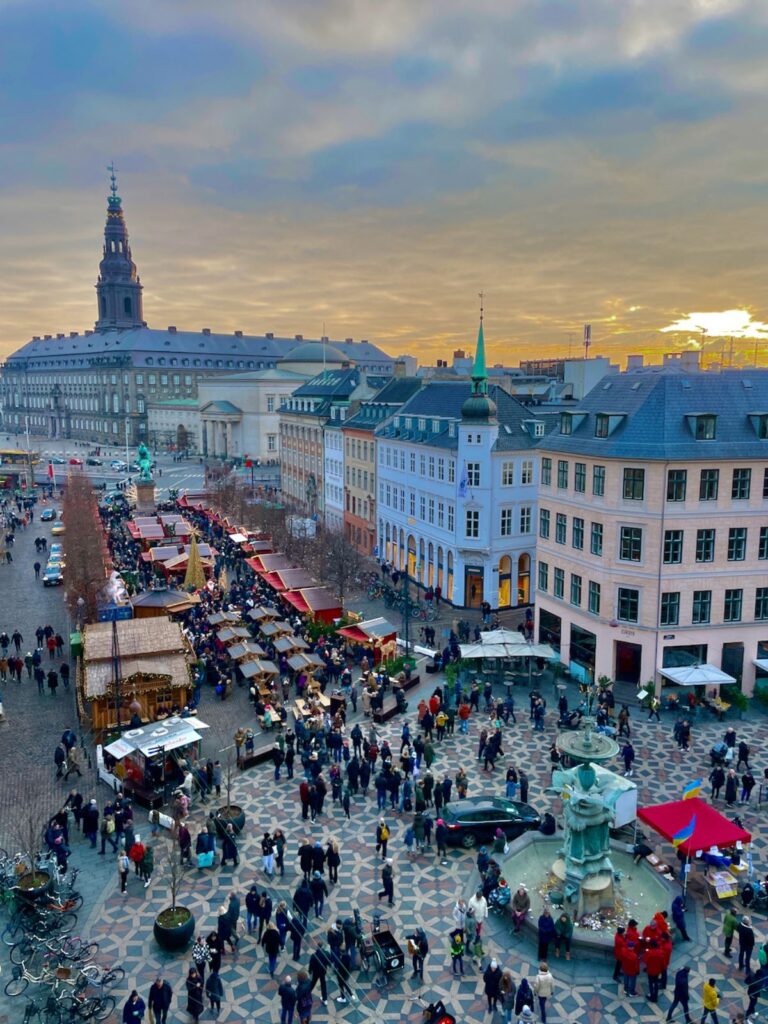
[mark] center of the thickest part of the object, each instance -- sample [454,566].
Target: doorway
[505,581]
[473,586]
[628,661]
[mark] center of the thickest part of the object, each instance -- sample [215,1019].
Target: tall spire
[479,406]
[119,286]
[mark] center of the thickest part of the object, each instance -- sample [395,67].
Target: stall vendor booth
[316,602]
[379,635]
[148,764]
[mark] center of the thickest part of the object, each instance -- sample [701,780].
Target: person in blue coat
[546,933]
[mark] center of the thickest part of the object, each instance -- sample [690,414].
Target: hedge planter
[233,815]
[174,927]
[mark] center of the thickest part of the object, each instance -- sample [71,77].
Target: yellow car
[57,529]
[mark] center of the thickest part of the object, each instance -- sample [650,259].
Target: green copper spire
[479,374]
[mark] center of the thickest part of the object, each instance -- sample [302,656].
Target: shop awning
[696,675]
[168,734]
[761,663]
[711,828]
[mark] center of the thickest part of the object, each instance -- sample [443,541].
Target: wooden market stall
[316,602]
[378,634]
[154,659]
[151,604]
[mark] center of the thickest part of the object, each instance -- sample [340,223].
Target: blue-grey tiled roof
[652,415]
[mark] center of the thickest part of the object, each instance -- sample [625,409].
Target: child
[457,951]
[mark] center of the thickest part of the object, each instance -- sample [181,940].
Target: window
[506,522]
[565,423]
[412,504]
[544,523]
[431,510]
[431,467]
[546,472]
[708,484]
[270,403]
[473,474]
[413,462]
[422,465]
[596,539]
[441,469]
[594,597]
[673,547]
[705,545]
[732,605]
[702,606]
[601,425]
[676,481]
[561,527]
[440,514]
[423,508]
[575,589]
[451,472]
[562,474]
[631,544]
[473,523]
[526,473]
[740,484]
[507,474]
[525,519]
[580,477]
[544,579]
[762,546]
[139,378]
[634,484]
[598,480]
[558,587]
[163,380]
[705,428]
[670,609]
[737,543]
[629,601]
[577,533]
[761,603]
[451,518]
[271,442]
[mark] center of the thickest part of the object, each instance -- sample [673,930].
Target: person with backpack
[382,838]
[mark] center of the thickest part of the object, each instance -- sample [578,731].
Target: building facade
[333,474]
[653,527]
[174,424]
[457,479]
[99,383]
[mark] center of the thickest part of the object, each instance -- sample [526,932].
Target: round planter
[32,886]
[233,815]
[174,928]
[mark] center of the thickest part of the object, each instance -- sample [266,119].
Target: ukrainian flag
[685,833]
[692,789]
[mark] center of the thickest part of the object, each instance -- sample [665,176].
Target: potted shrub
[33,881]
[229,814]
[174,925]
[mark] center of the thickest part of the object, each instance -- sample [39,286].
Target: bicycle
[103,977]
[22,977]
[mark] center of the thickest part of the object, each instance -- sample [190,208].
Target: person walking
[755,985]
[319,893]
[304,997]
[746,937]
[628,756]
[382,838]
[388,882]
[492,985]
[159,999]
[271,943]
[681,995]
[134,1009]
[544,987]
[717,781]
[678,916]
[214,989]
[730,924]
[457,951]
[710,999]
[123,866]
[319,963]
[287,994]
[202,955]
[194,985]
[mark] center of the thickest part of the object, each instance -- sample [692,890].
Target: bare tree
[85,547]
[337,563]
[27,827]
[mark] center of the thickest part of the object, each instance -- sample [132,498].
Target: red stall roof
[712,828]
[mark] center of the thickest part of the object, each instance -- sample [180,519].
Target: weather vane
[480,296]
[112,178]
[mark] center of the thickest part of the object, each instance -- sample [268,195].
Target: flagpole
[686,868]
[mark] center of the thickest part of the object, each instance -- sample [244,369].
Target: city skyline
[361,169]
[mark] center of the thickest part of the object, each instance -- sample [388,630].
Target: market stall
[377,634]
[316,602]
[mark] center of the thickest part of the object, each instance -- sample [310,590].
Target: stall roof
[369,631]
[216,618]
[291,579]
[259,613]
[697,675]
[712,828]
[168,734]
[258,668]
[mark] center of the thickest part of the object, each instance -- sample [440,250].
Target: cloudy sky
[371,165]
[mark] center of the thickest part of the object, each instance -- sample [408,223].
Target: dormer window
[422,424]
[538,430]
[408,423]
[760,424]
[602,425]
[436,426]
[566,423]
[704,427]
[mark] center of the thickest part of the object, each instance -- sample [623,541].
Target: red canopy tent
[318,602]
[712,828]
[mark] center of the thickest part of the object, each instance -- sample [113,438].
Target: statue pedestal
[145,497]
[595,891]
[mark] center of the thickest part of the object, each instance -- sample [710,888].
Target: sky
[367,167]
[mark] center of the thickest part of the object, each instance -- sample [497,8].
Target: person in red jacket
[630,967]
[619,942]
[434,703]
[632,934]
[665,942]
[650,934]
[464,712]
[654,965]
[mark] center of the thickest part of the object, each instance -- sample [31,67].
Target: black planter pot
[174,935]
[34,892]
[233,815]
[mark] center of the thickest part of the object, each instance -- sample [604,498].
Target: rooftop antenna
[323,344]
[587,339]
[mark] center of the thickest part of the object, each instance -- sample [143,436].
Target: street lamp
[127,430]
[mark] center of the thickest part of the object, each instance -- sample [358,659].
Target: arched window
[387,551]
[505,582]
[430,565]
[524,579]
[440,568]
[449,585]
[411,566]
[420,569]
[401,558]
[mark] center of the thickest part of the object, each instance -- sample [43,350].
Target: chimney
[74,334]
[299,337]
[171,330]
[36,337]
[398,368]
[364,341]
[46,337]
[324,338]
[206,330]
[349,340]
[88,334]
[269,334]
[238,334]
[59,335]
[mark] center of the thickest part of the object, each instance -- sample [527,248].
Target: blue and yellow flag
[692,789]
[685,833]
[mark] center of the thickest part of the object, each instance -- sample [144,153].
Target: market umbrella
[194,578]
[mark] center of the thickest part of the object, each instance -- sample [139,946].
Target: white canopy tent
[696,675]
[168,734]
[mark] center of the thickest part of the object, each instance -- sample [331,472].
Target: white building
[174,422]
[333,460]
[458,476]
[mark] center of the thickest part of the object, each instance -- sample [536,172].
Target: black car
[92,461]
[474,821]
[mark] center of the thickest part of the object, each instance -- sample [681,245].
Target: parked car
[58,461]
[74,461]
[56,549]
[53,577]
[473,821]
[118,465]
[47,515]
[57,529]
[92,461]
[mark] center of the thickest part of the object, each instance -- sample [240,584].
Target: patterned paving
[425,894]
